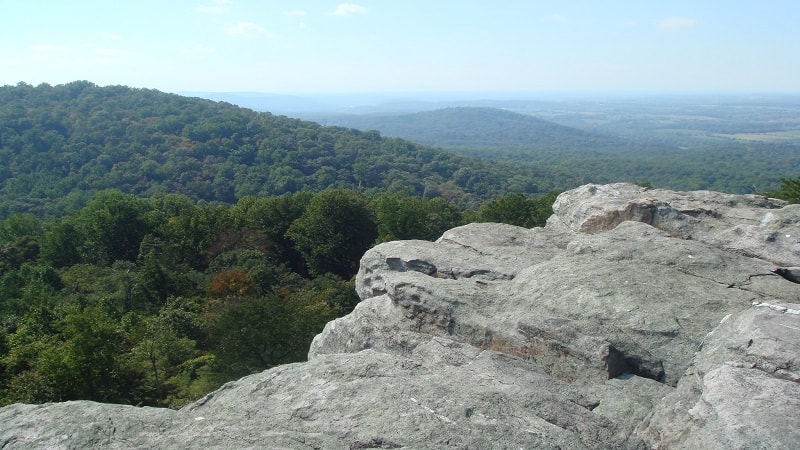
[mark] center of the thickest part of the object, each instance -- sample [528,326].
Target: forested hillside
[154,246]
[670,151]
[157,301]
[61,144]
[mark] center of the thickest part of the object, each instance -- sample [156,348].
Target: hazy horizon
[393,102]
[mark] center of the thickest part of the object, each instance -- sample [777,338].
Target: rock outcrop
[636,318]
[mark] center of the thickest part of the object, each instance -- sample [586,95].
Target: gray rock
[748,224]
[637,318]
[629,399]
[83,424]
[443,395]
[588,312]
[742,389]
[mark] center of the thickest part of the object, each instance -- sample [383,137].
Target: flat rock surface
[637,318]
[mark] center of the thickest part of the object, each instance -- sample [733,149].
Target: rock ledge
[637,318]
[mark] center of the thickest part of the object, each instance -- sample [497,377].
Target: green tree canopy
[518,209]
[402,216]
[334,232]
[789,190]
[114,225]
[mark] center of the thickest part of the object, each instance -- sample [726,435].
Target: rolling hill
[473,128]
[660,157]
[61,144]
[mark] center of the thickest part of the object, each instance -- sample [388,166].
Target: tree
[334,232]
[400,216]
[273,216]
[154,280]
[265,270]
[19,241]
[114,225]
[518,209]
[86,365]
[158,355]
[789,190]
[60,244]
[254,333]
[232,284]
[188,230]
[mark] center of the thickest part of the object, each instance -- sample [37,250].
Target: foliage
[518,209]
[402,217]
[113,225]
[190,242]
[60,145]
[156,301]
[789,190]
[252,333]
[698,144]
[333,232]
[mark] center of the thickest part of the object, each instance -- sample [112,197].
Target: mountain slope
[470,126]
[481,129]
[60,144]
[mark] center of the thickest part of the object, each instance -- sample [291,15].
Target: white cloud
[247,29]
[295,12]
[214,7]
[45,48]
[345,9]
[110,36]
[51,53]
[557,18]
[677,24]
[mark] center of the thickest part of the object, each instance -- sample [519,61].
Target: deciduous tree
[334,232]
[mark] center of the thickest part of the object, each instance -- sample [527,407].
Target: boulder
[742,389]
[636,318]
[751,225]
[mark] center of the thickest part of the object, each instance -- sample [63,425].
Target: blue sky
[319,46]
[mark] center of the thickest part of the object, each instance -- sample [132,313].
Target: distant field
[774,137]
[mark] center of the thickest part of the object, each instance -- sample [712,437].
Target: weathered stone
[637,318]
[629,399]
[748,224]
[742,389]
[588,312]
[443,395]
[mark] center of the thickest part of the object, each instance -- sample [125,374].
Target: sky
[363,46]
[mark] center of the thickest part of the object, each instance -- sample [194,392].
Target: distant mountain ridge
[477,127]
